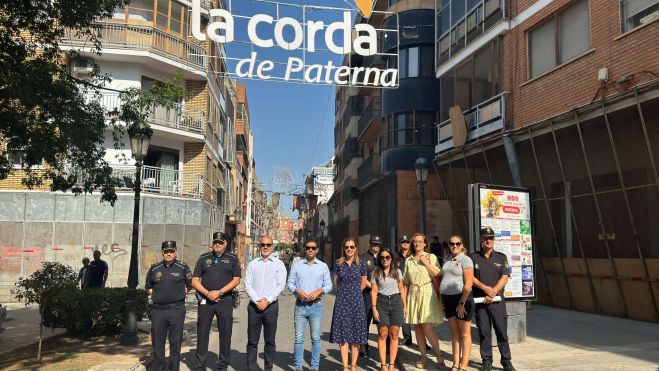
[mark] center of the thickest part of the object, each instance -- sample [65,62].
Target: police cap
[168,246]
[220,237]
[487,232]
[375,239]
[403,238]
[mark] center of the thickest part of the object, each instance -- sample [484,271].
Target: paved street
[558,340]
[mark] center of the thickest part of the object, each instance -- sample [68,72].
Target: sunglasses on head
[455,243]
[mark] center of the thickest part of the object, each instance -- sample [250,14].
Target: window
[638,12]
[18,157]
[417,127]
[413,66]
[559,39]
[415,62]
[168,15]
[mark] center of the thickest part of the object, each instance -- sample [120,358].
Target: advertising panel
[507,211]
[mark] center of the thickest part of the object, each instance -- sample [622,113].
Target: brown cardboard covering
[556,282]
[582,295]
[458,126]
[606,290]
[653,271]
[638,297]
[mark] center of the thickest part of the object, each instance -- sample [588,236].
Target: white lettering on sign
[290,34]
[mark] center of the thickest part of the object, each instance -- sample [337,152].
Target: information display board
[507,210]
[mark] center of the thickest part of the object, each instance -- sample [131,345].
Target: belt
[389,296]
[307,303]
[169,306]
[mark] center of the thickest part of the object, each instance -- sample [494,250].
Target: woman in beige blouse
[422,301]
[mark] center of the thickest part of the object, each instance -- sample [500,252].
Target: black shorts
[390,309]
[451,302]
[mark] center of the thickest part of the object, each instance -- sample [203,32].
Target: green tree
[44,110]
[43,286]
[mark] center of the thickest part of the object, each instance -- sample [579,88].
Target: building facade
[560,97]
[196,174]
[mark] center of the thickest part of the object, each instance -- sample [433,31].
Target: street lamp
[322,238]
[421,169]
[140,138]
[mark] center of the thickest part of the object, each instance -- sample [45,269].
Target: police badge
[158,276]
[208,262]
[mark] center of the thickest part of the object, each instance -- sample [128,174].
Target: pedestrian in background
[97,273]
[422,301]
[349,318]
[491,273]
[265,279]
[389,306]
[458,301]
[369,258]
[215,277]
[168,282]
[82,275]
[309,281]
[436,247]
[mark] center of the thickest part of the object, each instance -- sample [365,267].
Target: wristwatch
[461,302]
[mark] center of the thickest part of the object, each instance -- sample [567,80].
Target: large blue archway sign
[302,43]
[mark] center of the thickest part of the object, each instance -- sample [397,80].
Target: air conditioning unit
[83,66]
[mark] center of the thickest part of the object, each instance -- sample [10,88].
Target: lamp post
[140,137]
[421,169]
[322,239]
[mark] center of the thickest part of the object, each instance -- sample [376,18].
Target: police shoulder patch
[476,266]
[208,262]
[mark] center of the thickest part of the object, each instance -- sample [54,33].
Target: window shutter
[632,7]
[542,49]
[573,31]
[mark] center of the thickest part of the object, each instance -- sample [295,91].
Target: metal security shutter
[573,31]
[542,49]
[632,7]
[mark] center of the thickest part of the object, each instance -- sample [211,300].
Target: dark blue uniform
[215,273]
[489,271]
[169,284]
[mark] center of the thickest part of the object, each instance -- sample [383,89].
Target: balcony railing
[483,119]
[147,38]
[179,117]
[354,107]
[369,170]
[455,34]
[159,180]
[372,112]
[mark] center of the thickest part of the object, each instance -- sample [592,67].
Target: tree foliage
[45,112]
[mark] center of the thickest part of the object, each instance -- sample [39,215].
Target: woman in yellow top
[423,309]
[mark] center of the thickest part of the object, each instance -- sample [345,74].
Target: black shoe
[407,342]
[362,353]
[487,366]
[508,366]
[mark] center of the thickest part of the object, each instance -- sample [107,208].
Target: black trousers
[407,331]
[488,316]
[255,320]
[167,323]
[223,310]
[368,307]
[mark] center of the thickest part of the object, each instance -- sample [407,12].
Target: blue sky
[292,124]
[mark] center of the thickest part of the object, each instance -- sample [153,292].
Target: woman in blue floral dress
[349,318]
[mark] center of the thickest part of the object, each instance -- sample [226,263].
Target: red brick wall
[575,83]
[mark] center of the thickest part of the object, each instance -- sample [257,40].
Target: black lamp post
[322,239]
[421,169]
[140,137]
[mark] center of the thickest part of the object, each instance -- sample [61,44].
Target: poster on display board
[507,210]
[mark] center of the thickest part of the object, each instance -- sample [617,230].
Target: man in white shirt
[265,279]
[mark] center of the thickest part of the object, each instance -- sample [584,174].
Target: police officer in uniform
[215,276]
[491,273]
[168,282]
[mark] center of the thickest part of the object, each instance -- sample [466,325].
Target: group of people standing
[394,289]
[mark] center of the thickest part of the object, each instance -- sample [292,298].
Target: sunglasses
[169,251]
[218,242]
[351,247]
[311,247]
[488,238]
[455,243]
[386,257]
[266,245]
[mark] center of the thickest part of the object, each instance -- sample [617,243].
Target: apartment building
[561,97]
[380,134]
[197,172]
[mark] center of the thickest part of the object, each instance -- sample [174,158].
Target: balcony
[161,181]
[180,117]
[143,38]
[354,107]
[372,113]
[369,171]
[485,118]
[454,33]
